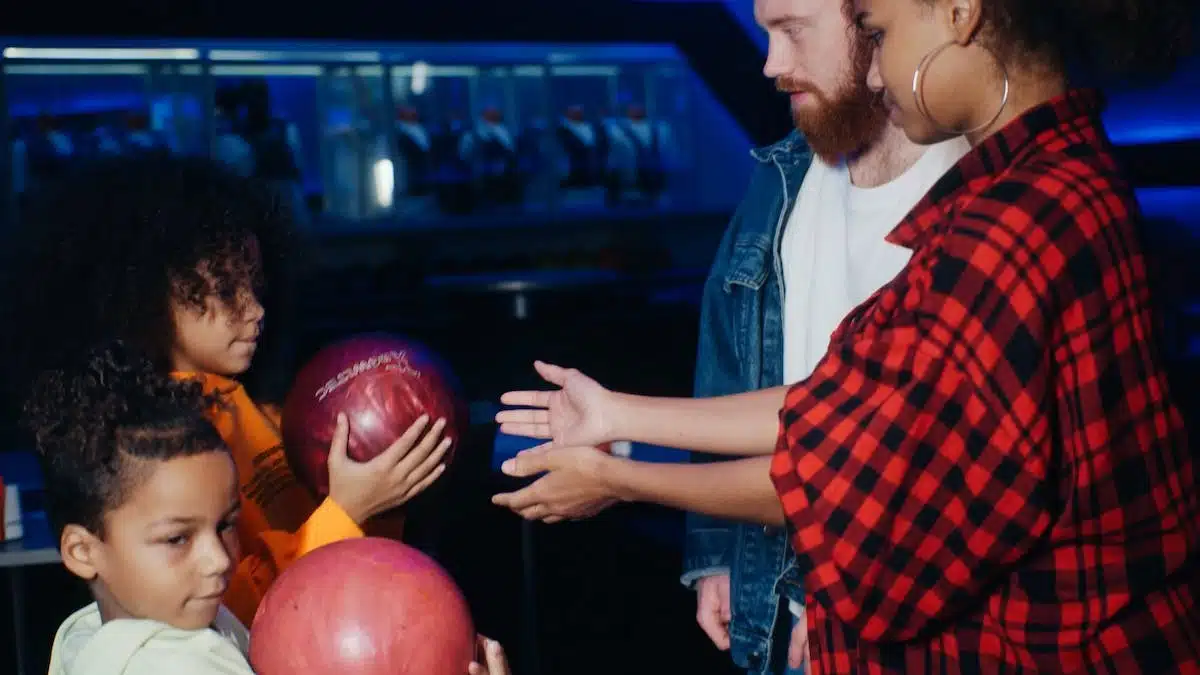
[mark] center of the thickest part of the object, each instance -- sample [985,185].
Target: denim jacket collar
[791,150]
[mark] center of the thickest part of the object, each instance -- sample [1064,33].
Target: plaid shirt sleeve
[913,463]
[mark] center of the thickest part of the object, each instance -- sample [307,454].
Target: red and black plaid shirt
[987,473]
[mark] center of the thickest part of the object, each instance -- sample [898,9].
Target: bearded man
[806,245]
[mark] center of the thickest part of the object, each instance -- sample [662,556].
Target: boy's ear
[80,551]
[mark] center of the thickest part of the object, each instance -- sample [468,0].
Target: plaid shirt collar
[1078,109]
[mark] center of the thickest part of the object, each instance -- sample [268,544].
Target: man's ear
[80,551]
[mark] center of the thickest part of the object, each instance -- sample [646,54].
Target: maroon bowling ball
[383,383]
[363,607]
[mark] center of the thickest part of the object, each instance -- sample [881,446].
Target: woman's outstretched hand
[579,412]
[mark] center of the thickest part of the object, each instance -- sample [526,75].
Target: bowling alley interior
[498,183]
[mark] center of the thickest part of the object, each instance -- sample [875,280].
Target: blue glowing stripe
[1152,125]
[1179,203]
[396,52]
[1162,113]
[76,104]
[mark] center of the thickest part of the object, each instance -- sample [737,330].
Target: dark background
[606,595]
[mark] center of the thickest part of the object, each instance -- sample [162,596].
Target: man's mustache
[790,85]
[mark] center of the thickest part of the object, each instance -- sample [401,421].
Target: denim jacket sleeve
[708,542]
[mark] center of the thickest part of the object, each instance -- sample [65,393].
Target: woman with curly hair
[171,256]
[987,472]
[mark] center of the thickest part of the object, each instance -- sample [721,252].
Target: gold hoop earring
[918,90]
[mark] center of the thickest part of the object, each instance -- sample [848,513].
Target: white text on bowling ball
[392,361]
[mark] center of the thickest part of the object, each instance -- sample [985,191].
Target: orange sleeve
[280,520]
[273,413]
[271,551]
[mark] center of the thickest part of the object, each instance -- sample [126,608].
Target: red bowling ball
[383,383]
[363,607]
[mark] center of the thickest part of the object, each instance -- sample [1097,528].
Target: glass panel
[178,101]
[63,113]
[530,93]
[490,145]
[493,88]
[435,108]
[650,153]
[582,97]
[508,128]
[267,126]
[536,146]
[359,173]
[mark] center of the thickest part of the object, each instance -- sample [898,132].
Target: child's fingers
[417,465]
[401,446]
[477,668]
[491,653]
[434,464]
[497,664]
[424,484]
[429,444]
[341,439]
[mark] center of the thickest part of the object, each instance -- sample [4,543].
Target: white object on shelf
[13,528]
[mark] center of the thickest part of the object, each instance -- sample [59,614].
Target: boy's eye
[177,540]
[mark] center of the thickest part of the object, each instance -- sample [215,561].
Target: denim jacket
[741,349]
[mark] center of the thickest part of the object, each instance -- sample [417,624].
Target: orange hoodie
[280,520]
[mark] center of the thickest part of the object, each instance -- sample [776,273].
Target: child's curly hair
[103,255]
[98,417]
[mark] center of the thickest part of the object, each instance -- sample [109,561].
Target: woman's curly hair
[97,418]
[1101,38]
[105,252]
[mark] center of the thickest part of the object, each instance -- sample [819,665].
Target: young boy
[143,495]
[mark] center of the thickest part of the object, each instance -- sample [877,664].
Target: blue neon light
[1177,203]
[1165,113]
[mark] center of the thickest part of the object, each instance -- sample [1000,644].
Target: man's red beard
[846,122]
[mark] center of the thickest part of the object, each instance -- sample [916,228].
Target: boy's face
[169,550]
[218,339]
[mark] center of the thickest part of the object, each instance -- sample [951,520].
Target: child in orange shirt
[171,255]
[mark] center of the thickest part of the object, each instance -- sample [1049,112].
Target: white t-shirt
[85,645]
[834,251]
[835,255]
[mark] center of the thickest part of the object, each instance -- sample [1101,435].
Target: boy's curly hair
[98,417]
[102,254]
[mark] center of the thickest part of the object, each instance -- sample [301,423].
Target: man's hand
[713,611]
[798,647]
